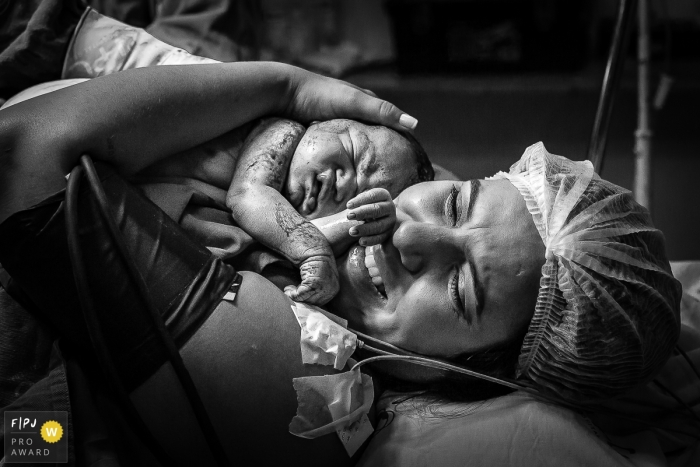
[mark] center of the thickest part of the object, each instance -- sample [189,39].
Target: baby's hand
[319,281]
[376,208]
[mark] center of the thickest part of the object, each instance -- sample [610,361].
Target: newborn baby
[289,187]
[287,176]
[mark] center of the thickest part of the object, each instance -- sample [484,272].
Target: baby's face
[338,159]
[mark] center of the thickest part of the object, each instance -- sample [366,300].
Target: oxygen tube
[393,353]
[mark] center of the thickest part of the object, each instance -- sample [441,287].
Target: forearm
[256,187]
[137,117]
[269,218]
[336,230]
[266,155]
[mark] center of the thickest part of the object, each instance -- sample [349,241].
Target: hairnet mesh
[607,313]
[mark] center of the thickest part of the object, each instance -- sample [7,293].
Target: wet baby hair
[424,168]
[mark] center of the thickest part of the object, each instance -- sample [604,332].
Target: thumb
[365,90]
[373,109]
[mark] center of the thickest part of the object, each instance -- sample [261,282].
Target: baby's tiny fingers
[373,211]
[374,239]
[298,294]
[311,295]
[372,228]
[291,292]
[368,211]
[375,195]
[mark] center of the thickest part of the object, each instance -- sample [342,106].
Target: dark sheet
[34,37]
[200,209]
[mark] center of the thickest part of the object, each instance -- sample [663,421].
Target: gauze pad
[333,403]
[324,339]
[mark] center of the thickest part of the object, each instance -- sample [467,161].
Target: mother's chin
[364,307]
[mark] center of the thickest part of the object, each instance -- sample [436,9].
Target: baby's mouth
[373,270]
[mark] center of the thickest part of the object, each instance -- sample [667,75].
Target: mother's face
[461,272]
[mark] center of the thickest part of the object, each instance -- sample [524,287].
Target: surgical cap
[607,313]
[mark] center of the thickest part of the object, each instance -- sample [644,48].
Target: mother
[459,278]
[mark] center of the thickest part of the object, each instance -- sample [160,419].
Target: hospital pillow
[103,45]
[512,430]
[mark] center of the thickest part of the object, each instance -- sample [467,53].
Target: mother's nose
[421,244]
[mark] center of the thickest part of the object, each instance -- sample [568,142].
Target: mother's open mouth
[373,271]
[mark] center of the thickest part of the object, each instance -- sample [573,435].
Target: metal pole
[611,80]
[642,146]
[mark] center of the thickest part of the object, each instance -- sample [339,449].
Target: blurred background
[485,78]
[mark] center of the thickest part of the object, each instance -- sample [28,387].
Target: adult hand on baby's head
[315,97]
[376,208]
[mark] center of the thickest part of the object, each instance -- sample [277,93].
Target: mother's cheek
[415,325]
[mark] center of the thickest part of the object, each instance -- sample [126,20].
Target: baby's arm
[336,229]
[257,205]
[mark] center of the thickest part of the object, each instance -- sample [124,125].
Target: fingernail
[353,231]
[408,122]
[350,205]
[352,215]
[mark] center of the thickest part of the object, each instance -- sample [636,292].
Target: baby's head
[339,159]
